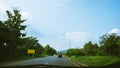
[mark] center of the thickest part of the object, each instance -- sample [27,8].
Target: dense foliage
[49,50]
[13,42]
[75,52]
[109,46]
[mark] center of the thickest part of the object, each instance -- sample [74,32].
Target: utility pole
[69,42]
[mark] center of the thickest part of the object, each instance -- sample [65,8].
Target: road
[50,60]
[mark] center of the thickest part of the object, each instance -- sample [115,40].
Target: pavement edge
[78,64]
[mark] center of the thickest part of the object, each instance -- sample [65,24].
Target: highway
[50,60]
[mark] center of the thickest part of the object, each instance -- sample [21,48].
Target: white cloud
[115,30]
[60,3]
[25,14]
[3,7]
[77,36]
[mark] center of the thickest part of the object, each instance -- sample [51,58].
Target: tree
[118,43]
[14,24]
[11,35]
[4,33]
[4,36]
[74,52]
[90,48]
[109,44]
[39,49]
[49,50]
[31,43]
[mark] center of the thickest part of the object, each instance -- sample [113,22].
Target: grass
[96,60]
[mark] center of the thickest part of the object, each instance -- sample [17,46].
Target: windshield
[60,33]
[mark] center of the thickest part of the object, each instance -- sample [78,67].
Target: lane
[54,60]
[50,60]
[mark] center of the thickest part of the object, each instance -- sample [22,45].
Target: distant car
[59,55]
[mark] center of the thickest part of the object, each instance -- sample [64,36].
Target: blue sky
[56,22]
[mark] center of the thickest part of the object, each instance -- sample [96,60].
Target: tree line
[15,43]
[109,45]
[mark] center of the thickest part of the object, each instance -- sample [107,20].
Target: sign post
[31,51]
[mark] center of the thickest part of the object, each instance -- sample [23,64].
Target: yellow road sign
[31,51]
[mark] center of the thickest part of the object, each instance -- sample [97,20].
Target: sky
[66,24]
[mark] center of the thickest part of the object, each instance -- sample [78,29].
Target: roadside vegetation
[14,43]
[96,60]
[107,52]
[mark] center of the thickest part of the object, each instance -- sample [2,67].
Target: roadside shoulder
[78,64]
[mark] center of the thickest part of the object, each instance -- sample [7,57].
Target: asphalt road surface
[50,60]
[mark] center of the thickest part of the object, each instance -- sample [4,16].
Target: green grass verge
[96,60]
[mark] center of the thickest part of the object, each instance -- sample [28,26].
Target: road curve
[50,60]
